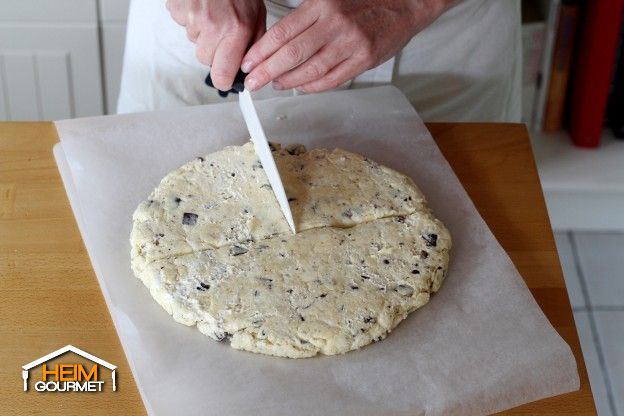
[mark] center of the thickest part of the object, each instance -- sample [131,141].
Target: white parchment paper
[481,345]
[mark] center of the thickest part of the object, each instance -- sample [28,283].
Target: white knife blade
[264,153]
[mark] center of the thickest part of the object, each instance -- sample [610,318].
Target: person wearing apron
[465,66]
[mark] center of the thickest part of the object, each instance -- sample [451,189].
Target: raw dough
[211,245]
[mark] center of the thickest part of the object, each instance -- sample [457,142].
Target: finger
[338,75]
[313,69]
[204,55]
[286,58]
[279,34]
[206,48]
[177,12]
[192,34]
[227,59]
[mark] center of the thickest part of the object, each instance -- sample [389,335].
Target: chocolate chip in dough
[225,337]
[188,218]
[431,240]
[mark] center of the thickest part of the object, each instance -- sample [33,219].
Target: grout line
[577,265]
[592,324]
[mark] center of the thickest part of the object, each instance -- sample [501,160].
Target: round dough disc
[214,250]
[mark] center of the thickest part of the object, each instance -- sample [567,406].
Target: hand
[222,30]
[324,43]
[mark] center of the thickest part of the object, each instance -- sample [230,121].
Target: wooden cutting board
[49,295]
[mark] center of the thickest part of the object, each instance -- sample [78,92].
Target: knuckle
[294,53]
[219,76]
[202,56]
[202,21]
[331,83]
[327,83]
[279,32]
[236,26]
[190,18]
[262,75]
[315,70]
[191,35]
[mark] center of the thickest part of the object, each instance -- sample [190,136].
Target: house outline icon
[26,368]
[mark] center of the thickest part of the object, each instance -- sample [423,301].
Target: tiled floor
[593,266]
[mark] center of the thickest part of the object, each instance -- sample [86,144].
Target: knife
[261,144]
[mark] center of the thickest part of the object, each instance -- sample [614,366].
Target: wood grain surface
[49,295]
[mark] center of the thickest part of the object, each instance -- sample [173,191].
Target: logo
[74,377]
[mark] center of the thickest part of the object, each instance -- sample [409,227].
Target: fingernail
[277,86]
[251,84]
[246,66]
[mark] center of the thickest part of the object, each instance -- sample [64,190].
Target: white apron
[466,66]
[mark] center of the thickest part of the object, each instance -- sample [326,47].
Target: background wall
[60,58]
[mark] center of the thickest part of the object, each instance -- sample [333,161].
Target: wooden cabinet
[60,58]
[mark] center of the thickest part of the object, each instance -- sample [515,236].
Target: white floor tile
[611,332]
[596,378]
[602,262]
[566,256]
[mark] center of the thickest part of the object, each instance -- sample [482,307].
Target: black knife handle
[237,86]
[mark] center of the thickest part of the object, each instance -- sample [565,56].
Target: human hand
[222,30]
[324,43]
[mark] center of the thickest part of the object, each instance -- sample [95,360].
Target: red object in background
[594,70]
